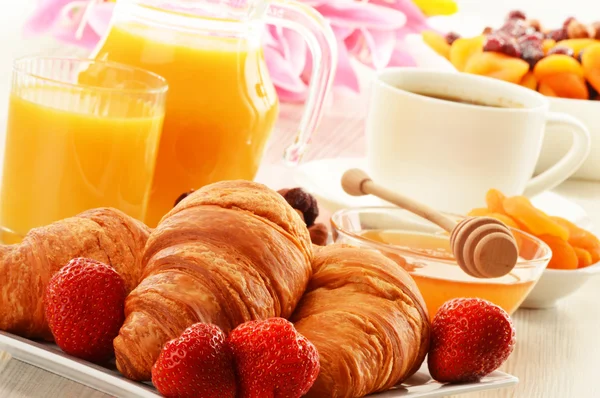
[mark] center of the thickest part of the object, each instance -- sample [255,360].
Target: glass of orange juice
[80,134]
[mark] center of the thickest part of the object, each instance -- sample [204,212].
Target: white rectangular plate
[108,380]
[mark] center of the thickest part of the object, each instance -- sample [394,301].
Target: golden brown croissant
[367,319]
[106,235]
[228,253]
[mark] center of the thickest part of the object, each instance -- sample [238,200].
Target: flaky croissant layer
[230,252]
[104,234]
[367,319]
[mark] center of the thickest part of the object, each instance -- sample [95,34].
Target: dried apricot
[463,49]
[557,63]
[494,200]
[498,66]
[529,81]
[437,43]
[505,219]
[584,257]
[590,60]
[595,254]
[547,44]
[578,237]
[567,85]
[536,221]
[563,254]
[576,44]
[479,212]
[546,90]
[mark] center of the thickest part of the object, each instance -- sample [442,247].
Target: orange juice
[60,162]
[440,279]
[220,110]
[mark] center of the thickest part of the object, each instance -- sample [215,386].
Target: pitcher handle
[313,27]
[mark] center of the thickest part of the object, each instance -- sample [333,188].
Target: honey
[429,260]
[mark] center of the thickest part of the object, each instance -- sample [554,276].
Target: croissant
[228,253]
[367,319]
[105,234]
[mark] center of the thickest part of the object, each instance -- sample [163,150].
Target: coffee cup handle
[570,162]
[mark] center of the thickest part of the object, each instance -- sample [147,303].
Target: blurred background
[472,15]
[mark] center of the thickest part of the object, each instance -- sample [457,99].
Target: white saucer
[322,179]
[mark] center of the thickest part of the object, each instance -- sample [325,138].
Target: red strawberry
[273,360]
[470,338]
[84,306]
[197,364]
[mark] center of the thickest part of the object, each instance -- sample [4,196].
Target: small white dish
[51,358]
[556,284]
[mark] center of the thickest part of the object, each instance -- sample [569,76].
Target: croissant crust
[367,319]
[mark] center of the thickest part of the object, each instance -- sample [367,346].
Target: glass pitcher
[221,105]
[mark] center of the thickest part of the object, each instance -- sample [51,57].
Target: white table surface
[557,353]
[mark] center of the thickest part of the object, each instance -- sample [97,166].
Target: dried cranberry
[494,43]
[531,54]
[535,37]
[561,50]
[515,27]
[558,34]
[568,21]
[511,49]
[516,14]
[451,37]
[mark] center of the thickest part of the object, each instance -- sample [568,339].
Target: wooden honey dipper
[483,246]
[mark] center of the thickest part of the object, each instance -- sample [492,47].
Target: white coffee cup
[448,154]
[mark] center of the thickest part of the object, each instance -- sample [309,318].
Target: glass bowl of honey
[423,249]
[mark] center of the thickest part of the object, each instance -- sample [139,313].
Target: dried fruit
[494,200]
[590,61]
[567,85]
[577,45]
[494,43]
[584,258]
[515,27]
[557,34]
[463,49]
[451,37]
[596,30]
[470,338]
[557,63]
[498,66]
[535,24]
[301,200]
[437,42]
[547,45]
[563,254]
[535,37]
[531,53]
[516,14]
[577,30]
[529,81]
[538,222]
[197,364]
[561,50]
[511,49]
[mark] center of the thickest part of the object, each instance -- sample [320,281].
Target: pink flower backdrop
[371,32]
